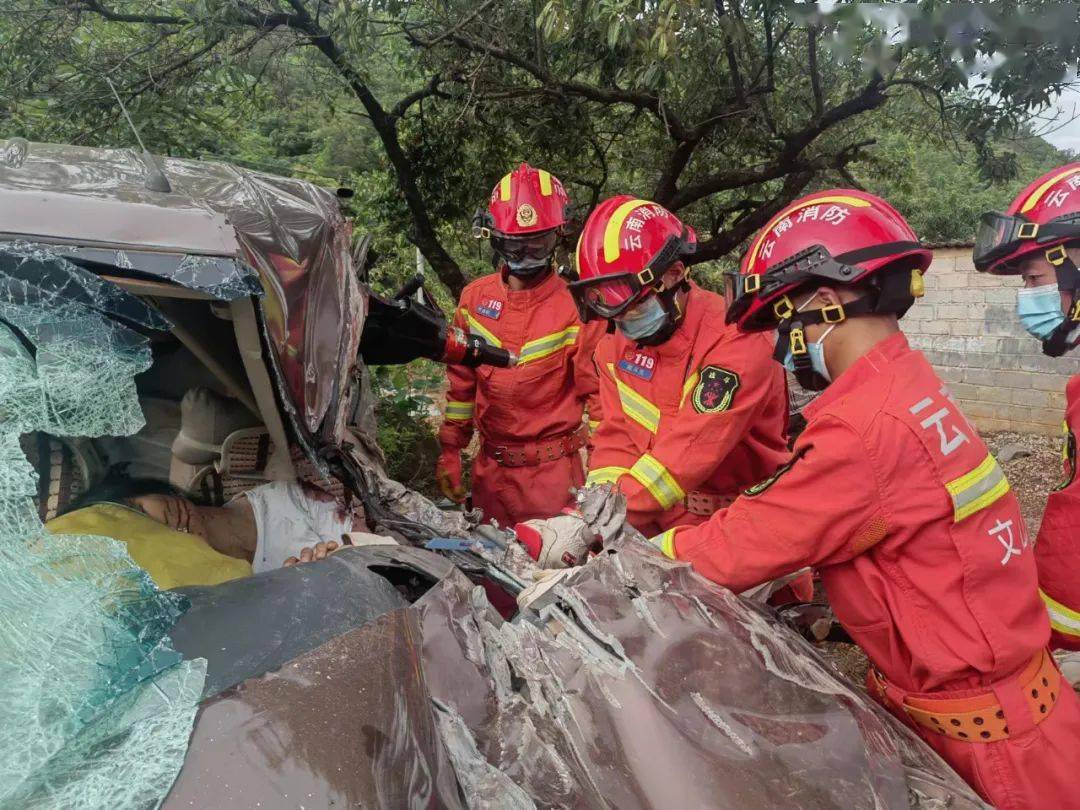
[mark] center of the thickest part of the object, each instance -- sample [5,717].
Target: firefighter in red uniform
[1038,238]
[530,415]
[893,496]
[694,411]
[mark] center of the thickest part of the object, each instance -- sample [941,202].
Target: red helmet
[526,210]
[833,237]
[1044,216]
[624,249]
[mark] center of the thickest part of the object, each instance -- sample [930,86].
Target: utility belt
[699,502]
[979,718]
[534,453]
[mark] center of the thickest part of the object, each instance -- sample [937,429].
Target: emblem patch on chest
[638,363]
[715,391]
[491,308]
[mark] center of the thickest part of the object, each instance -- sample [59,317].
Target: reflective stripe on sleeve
[977,489]
[1062,619]
[605,475]
[665,542]
[655,477]
[635,406]
[548,344]
[477,328]
[459,411]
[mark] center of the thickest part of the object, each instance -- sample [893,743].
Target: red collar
[881,355]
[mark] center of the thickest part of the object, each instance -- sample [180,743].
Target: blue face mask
[643,320]
[816,350]
[817,356]
[1039,309]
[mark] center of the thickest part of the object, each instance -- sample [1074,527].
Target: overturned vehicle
[205,325]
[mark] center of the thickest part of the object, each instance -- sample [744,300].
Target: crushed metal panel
[347,725]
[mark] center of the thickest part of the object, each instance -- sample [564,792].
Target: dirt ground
[1033,468]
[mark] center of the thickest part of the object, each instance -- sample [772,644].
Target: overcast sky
[1065,119]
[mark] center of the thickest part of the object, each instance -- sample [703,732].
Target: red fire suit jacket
[544,396]
[894,497]
[704,412]
[1057,550]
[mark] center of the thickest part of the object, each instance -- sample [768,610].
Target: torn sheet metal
[709,703]
[222,229]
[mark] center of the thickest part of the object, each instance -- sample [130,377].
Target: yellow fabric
[606,475]
[634,405]
[1065,620]
[172,559]
[477,328]
[459,411]
[548,344]
[660,483]
[665,542]
[688,386]
[977,489]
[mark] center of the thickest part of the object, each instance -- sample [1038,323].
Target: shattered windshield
[98,705]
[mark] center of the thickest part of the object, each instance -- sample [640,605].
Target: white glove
[541,593]
[558,542]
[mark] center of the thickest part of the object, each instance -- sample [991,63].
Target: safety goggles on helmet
[612,295]
[527,249]
[1000,235]
[815,263]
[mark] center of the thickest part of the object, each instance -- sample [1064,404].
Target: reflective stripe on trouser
[477,328]
[665,541]
[977,489]
[655,477]
[606,475]
[459,411]
[548,344]
[1064,620]
[635,406]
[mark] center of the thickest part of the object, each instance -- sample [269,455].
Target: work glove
[448,474]
[562,541]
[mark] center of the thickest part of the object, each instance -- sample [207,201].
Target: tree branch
[603,95]
[729,240]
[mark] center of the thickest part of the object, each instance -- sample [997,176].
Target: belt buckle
[497,453]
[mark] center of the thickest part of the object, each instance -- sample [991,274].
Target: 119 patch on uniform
[715,391]
[491,308]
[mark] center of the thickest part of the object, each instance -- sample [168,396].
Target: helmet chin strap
[674,315]
[1068,280]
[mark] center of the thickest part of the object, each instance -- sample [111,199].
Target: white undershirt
[287,519]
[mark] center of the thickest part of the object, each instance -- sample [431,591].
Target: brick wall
[967,326]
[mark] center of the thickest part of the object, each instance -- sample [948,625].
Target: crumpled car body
[382,676]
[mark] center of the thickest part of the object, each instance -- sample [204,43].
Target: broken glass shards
[98,705]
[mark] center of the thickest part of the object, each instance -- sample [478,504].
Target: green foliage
[406,422]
